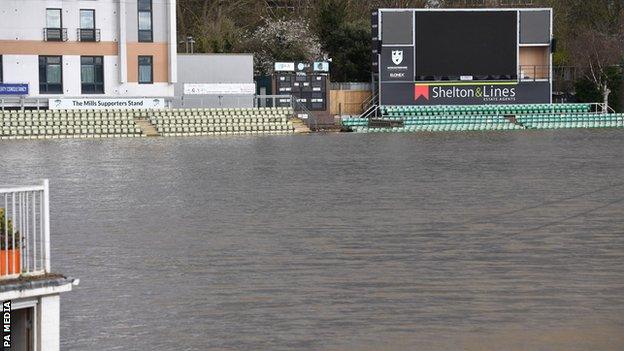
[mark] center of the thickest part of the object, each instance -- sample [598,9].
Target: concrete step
[299,126]
[147,128]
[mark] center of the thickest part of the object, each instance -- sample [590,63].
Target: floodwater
[448,241]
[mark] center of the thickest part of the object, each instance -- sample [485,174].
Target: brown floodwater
[448,241]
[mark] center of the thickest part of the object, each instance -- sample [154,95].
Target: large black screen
[482,44]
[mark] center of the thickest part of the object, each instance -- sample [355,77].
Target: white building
[87,48]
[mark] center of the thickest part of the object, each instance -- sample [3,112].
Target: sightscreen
[482,44]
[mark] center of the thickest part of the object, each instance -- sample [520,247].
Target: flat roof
[34,282]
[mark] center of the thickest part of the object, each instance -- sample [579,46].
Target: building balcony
[88,35]
[532,73]
[29,291]
[55,34]
[24,231]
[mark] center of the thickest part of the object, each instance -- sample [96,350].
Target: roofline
[488,9]
[214,54]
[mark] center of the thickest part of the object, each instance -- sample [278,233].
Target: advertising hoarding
[101,104]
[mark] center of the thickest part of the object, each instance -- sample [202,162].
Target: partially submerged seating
[572,120]
[222,121]
[463,110]
[489,117]
[45,124]
[437,123]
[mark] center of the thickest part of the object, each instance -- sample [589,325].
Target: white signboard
[111,104]
[321,66]
[220,89]
[284,66]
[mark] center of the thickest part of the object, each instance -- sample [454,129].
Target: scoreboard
[306,82]
[462,56]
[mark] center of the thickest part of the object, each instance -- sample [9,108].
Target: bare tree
[593,37]
[594,53]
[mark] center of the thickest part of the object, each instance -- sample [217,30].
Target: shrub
[586,90]
[7,234]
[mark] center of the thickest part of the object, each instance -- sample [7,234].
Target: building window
[146,70]
[54,25]
[87,25]
[92,74]
[145,21]
[54,18]
[51,74]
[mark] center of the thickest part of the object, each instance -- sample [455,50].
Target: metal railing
[24,231]
[350,86]
[231,100]
[531,73]
[302,112]
[55,34]
[371,104]
[273,101]
[212,101]
[371,112]
[350,108]
[564,78]
[92,35]
[23,102]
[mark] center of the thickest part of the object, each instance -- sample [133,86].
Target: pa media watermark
[6,325]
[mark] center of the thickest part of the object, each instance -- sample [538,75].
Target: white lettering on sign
[220,89]
[487,93]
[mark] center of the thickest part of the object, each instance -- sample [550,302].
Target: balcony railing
[531,73]
[88,34]
[55,34]
[24,231]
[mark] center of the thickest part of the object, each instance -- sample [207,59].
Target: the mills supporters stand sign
[464,93]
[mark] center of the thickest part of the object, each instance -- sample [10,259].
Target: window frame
[86,34]
[60,11]
[151,30]
[54,30]
[80,18]
[94,84]
[151,69]
[45,83]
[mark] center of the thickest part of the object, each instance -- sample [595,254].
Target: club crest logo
[397,57]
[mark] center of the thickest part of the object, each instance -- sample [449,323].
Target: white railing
[24,230]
